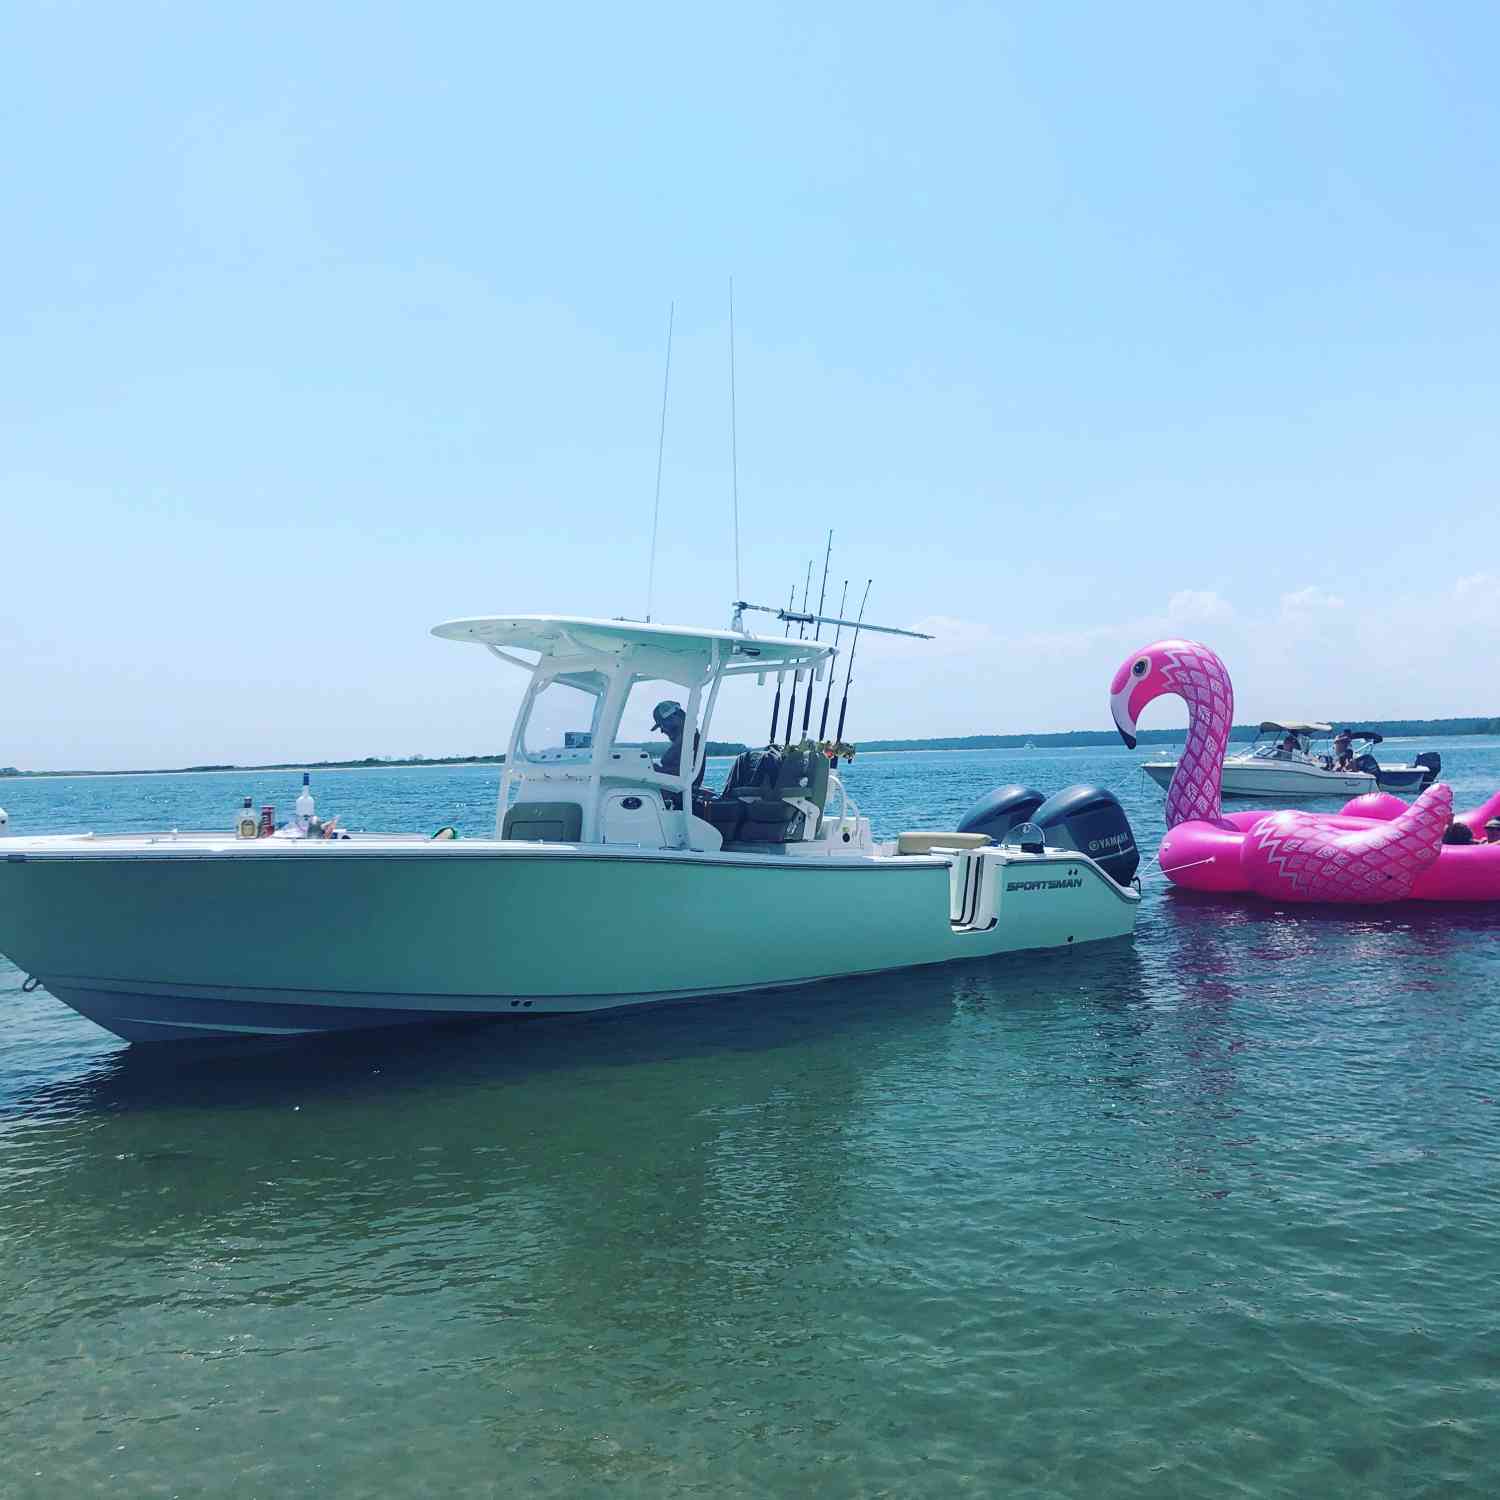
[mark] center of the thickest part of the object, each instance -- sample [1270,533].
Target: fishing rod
[791,708]
[791,599]
[828,690]
[817,633]
[853,647]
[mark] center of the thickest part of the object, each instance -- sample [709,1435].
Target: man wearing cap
[670,720]
[1492,831]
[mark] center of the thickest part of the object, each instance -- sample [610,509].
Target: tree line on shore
[1072,738]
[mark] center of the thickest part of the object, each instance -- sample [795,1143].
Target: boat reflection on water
[572,1249]
[1367,955]
[858,1013]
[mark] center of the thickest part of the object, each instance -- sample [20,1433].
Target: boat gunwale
[73,848]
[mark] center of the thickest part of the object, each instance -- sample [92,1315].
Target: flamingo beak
[1119,707]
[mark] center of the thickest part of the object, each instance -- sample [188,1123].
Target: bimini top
[1275,726]
[570,635]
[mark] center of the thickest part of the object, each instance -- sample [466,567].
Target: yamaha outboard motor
[1091,820]
[1368,764]
[1434,763]
[1005,808]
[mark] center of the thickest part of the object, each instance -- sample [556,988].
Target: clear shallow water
[1216,1213]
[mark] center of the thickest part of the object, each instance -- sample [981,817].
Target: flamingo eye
[1140,668]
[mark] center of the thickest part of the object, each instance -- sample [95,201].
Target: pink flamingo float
[1378,849]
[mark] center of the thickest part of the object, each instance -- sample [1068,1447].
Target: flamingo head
[1165,667]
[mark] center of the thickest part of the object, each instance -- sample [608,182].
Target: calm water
[1213,1214]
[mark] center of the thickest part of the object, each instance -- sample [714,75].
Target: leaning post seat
[774,817]
[751,774]
[727,814]
[544,822]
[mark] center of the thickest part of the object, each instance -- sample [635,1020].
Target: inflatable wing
[1298,856]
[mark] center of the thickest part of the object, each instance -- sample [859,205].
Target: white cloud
[1308,603]
[1194,605]
[1302,654]
[1478,598]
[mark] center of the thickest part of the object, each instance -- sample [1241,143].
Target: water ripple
[1215,1214]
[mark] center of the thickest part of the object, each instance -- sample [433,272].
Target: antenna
[828,691]
[791,708]
[853,647]
[661,442]
[734,446]
[817,633]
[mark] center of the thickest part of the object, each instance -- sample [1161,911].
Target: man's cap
[1492,823]
[668,708]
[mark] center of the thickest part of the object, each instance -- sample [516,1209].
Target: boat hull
[1271,781]
[166,942]
[1404,778]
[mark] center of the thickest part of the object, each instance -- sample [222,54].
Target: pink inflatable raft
[1378,849]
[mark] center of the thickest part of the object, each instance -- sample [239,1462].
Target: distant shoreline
[1071,739]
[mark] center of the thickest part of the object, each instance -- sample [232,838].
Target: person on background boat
[1287,748]
[670,719]
[1343,750]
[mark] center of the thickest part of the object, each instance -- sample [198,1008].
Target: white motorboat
[1282,762]
[608,882]
[1298,760]
[1411,776]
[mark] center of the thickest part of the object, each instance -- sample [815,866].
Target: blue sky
[1080,324]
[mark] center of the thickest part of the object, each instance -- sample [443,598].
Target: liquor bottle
[245,826]
[305,803]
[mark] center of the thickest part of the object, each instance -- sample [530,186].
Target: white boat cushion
[925,843]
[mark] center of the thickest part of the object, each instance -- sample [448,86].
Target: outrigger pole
[853,647]
[802,619]
[797,617]
[661,444]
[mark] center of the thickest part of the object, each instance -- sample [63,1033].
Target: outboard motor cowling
[1434,763]
[1091,820]
[1001,810]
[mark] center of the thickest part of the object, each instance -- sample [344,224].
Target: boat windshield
[637,728]
[1281,744]
[564,715]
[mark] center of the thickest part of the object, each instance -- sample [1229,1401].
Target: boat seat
[753,772]
[773,816]
[727,814]
[544,822]
[924,842]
